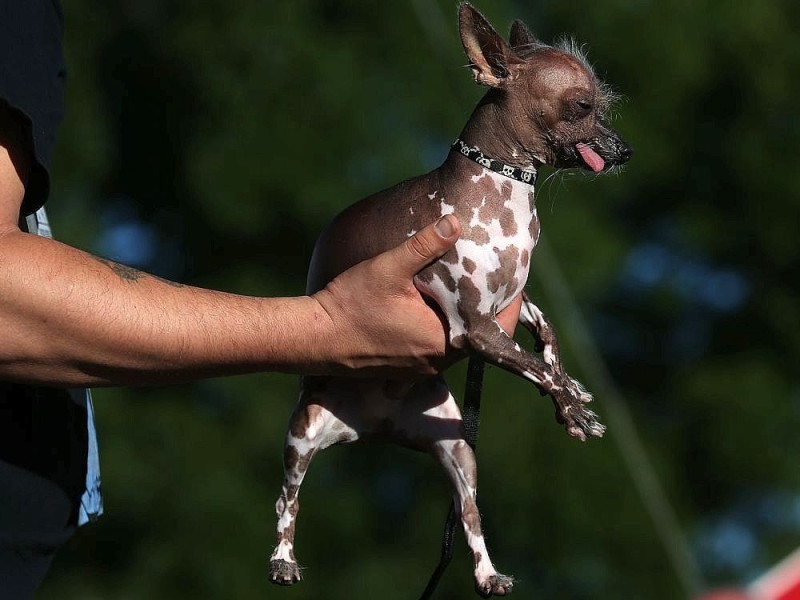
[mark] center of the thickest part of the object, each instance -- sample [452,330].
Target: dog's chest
[489,264]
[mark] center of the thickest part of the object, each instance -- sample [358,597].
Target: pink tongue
[592,159]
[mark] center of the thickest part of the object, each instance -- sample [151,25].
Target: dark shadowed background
[210,141]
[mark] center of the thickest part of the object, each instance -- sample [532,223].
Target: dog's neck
[498,133]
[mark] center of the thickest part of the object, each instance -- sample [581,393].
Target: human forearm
[71,319]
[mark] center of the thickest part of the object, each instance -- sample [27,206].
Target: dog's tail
[471,415]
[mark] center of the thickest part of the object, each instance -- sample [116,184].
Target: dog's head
[546,102]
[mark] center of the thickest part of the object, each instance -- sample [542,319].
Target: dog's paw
[283,572]
[583,423]
[579,421]
[495,585]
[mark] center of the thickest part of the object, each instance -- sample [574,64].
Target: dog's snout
[618,151]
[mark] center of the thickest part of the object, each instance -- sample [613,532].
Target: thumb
[425,246]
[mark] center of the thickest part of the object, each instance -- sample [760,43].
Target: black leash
[471,415]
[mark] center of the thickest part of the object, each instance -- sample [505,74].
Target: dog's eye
[576,109]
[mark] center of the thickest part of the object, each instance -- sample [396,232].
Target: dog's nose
[625,152]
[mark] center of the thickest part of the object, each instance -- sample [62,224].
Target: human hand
[380,322]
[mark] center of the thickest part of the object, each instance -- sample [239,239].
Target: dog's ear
[521,36]
[491,58]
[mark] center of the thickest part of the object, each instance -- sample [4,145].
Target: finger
[424,247]
[509,316]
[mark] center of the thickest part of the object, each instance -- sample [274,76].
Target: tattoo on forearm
[127,273]
[124,272]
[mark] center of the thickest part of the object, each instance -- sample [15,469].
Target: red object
[782,582]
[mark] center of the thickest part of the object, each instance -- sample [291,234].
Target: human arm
[71,319]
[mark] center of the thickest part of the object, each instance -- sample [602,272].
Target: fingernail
[445,227]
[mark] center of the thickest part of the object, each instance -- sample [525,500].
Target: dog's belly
[489,265]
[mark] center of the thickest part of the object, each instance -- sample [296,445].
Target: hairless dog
[545,106]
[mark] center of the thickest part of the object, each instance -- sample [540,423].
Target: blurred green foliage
[210,141]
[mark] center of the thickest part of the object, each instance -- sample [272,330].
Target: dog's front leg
[534,320]
[488,339]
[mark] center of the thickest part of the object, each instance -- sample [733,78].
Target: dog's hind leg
[458,460]
[431,420]
[312,428]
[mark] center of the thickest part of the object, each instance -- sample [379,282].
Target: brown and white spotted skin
[544,106]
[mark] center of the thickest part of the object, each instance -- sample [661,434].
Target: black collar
[524,175]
